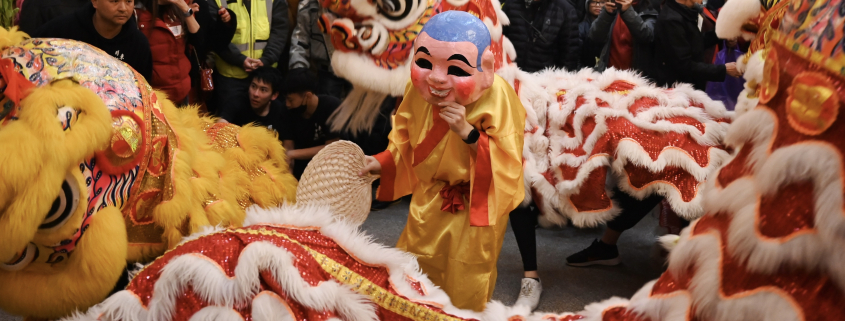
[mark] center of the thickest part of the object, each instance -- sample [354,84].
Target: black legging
[524,221]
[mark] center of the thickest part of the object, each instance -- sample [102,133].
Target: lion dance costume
[99,170]
[768,246]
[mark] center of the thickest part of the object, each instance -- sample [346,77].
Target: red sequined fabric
[224,250]
[616,127]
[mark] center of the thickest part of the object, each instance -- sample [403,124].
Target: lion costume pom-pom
[99,170]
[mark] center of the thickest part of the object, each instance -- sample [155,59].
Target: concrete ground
[566,289]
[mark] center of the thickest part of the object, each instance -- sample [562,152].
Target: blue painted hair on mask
[459,26]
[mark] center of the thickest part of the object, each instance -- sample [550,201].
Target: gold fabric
[459,258]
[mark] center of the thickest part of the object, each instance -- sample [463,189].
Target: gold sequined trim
[360,284]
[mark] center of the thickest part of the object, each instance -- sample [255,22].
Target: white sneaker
[529,294]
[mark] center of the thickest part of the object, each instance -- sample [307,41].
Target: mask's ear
[488,62]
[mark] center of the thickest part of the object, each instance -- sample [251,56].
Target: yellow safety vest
[251,34]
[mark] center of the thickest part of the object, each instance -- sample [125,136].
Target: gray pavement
[565,288]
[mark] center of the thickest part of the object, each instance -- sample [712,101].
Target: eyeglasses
[596,3]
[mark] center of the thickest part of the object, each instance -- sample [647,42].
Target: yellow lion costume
[97,170]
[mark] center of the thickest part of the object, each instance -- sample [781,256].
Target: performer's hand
[455,115]
[371,166]
[224,15]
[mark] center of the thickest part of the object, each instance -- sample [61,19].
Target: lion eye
[64,206]
[29,254]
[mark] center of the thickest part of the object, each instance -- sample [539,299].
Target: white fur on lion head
[733,15]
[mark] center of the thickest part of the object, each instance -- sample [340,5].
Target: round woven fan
[331,178]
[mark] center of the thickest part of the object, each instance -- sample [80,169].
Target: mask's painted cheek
[418,78]
[416,75]
[465,87]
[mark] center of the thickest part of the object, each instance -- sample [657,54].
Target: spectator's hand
[610,7]
[251,64]
[455,115]
[625,4]
[371,166]
[731,69]
[195,7]
[224,15]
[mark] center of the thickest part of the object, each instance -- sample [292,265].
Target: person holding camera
[626,27]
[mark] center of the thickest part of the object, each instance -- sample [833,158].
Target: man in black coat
[109,25]
[544,33]
[680,47]
[35,13]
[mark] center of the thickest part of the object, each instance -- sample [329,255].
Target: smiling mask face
[446,64]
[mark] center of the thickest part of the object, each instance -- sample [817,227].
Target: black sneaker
[379,205]
[598,253]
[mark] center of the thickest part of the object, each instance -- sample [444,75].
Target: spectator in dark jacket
[311,48]
[544,33]
[680,47]
[109,25]
[590,50]
[35,13]
[626,27]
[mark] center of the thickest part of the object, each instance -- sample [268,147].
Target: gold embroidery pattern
[834,64]
[813,104]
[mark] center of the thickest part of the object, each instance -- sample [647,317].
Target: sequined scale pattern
[593,129]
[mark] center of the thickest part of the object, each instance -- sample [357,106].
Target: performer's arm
[394,164]
[497,178]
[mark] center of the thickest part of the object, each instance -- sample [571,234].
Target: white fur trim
[668,242]
[269,306]
[215,313]
[545,150]
[359,70]
[216,288]
[399,263]
[733,15]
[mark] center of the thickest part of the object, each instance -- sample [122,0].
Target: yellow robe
[457,251]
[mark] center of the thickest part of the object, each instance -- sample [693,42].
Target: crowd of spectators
[245,41]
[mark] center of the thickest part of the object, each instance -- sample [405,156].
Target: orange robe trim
[388,177]
[483,170]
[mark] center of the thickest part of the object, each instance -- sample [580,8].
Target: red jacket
[171,67]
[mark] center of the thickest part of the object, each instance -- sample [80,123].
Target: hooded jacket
[545,34]
[590,50]
[129,46]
